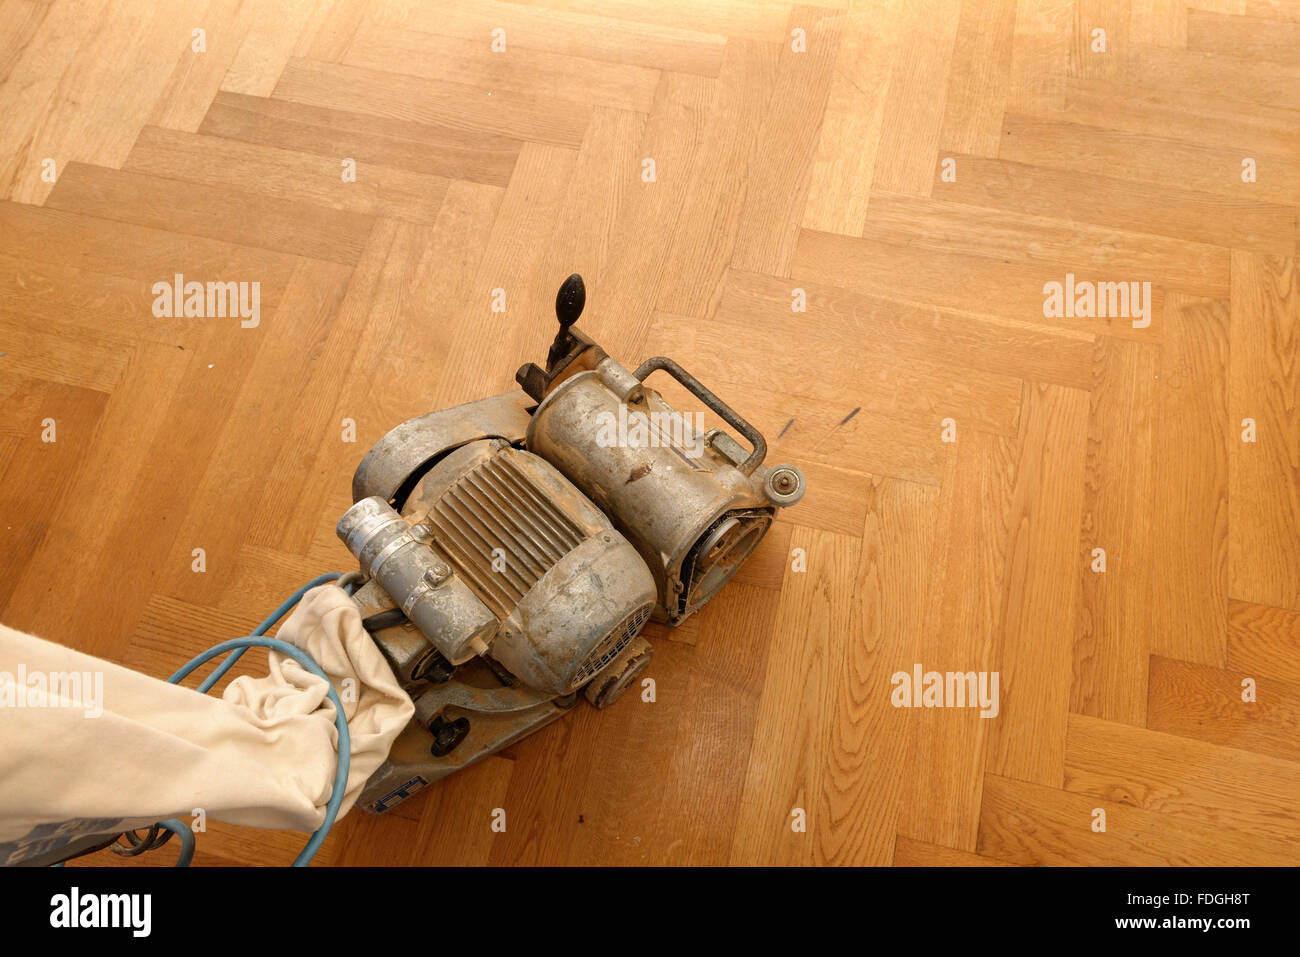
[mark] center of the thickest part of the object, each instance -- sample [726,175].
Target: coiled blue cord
[258,639]
[340,722]
[262,629]
[181,830]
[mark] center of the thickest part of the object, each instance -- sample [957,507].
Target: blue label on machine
[400,794]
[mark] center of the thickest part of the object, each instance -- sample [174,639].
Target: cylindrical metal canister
[663,485]
[425,586]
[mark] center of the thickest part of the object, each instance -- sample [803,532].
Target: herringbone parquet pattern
[920,170]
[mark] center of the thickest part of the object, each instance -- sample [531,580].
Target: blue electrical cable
[340,722]
[236,647]
[265,626]
[258,639]
[181,830]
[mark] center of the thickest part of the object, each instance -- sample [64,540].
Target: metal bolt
[784,485]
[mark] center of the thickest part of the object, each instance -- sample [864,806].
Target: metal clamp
[728,414]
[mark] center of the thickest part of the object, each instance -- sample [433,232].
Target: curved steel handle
[713,402]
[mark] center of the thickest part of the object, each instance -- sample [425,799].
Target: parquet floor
[920,169]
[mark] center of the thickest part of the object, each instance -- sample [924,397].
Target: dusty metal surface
[424,585]
[622,673]
[756,440]
[498,504]
[411,766]
[410,447]
[478,701]
[663,497]
[553,569]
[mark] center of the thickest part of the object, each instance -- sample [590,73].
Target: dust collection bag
[89,749]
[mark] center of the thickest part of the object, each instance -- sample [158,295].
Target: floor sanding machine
[511,549]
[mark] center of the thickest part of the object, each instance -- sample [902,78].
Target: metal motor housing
[694,506]
[520,548]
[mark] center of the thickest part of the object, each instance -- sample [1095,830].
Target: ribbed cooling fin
[497,505]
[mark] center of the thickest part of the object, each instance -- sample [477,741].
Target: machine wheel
[623,672]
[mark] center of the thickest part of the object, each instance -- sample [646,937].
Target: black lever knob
[570,300]
[568,307]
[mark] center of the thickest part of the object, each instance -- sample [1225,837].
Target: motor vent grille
[497,505]
[611,645]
